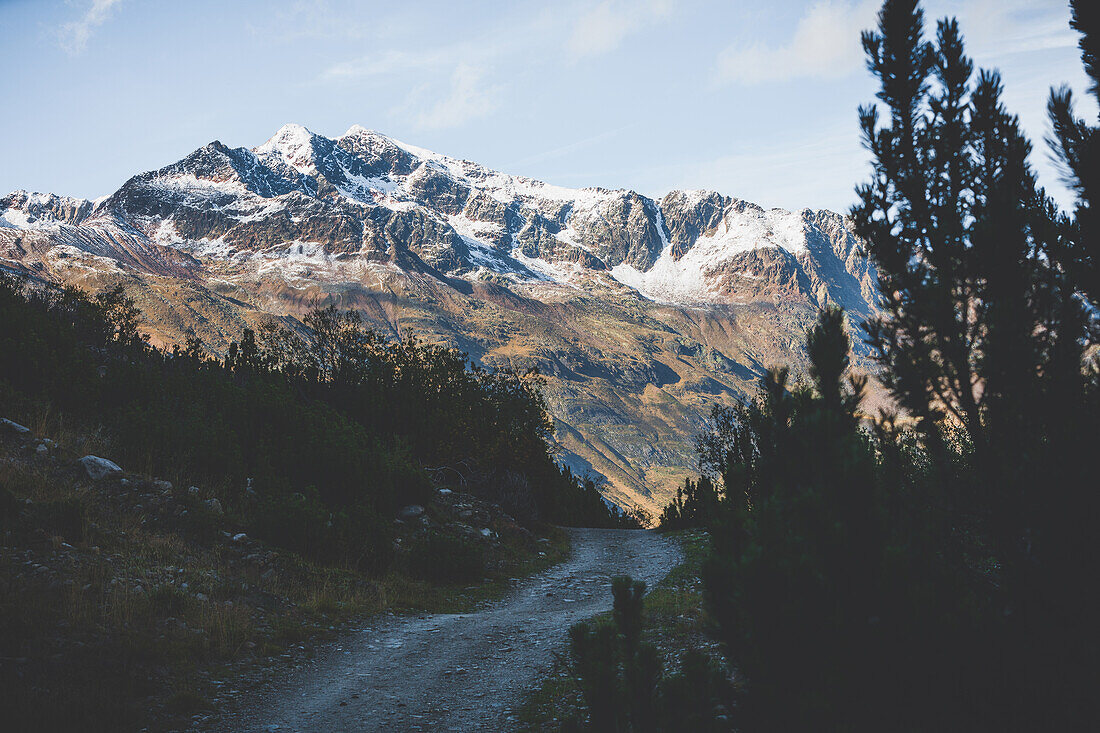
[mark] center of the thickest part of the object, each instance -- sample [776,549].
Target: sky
[755,100]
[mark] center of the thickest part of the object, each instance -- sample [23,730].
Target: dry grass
[226,627]
[127,615]
[77,437]
[26,482]
[334,597]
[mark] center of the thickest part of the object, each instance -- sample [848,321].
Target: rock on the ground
[412,511]
[213,505]
[13,426]
[99,468]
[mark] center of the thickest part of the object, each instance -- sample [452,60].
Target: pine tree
[803,581]
[984,340]
[1077,145]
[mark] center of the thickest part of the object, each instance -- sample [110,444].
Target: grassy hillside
[308,477]
[128,602]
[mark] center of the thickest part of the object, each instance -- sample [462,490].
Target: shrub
[446,558]
[595,656]
[295,521]
[622,678]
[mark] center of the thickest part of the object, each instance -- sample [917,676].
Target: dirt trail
[457,672]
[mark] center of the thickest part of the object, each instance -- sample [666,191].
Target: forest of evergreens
[312,437]
[934,567]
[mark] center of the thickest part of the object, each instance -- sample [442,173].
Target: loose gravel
[456,672]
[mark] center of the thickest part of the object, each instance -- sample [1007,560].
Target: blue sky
[756,100]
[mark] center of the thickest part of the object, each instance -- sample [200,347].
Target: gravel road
[457,672]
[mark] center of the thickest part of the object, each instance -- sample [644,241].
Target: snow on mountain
[690,277]
[293,144]
[27,210]
[641,314]
[364,194]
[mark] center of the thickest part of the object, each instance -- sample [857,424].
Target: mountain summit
[639,312]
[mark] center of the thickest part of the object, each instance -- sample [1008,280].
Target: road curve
[457,672]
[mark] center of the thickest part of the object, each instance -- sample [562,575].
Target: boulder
[13,427]
[412,511]
[213,505]
[162,485]
[445,492]
[99,468]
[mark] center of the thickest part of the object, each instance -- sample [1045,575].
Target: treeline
[693,504]
[937,568]
[313,437]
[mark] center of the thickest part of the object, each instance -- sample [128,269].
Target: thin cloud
[825,44]
[604,28]
[452,84]
[440,100]
[469,99]
[384,64]
[571,147]
[820,171]
[998,28]
[75,35]
[304,20]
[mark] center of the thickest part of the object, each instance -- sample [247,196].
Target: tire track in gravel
[457,672]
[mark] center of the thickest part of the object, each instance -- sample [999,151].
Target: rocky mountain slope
[641,313]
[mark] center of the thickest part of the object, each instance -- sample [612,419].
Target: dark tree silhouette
[623,681]
[984,332]
[1077,145]
[934,569]
[694,504]
[818,577]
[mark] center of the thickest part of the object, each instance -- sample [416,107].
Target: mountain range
[641,313]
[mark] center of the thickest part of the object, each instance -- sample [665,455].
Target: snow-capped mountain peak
[364,194]
[640,312]
[34,210]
